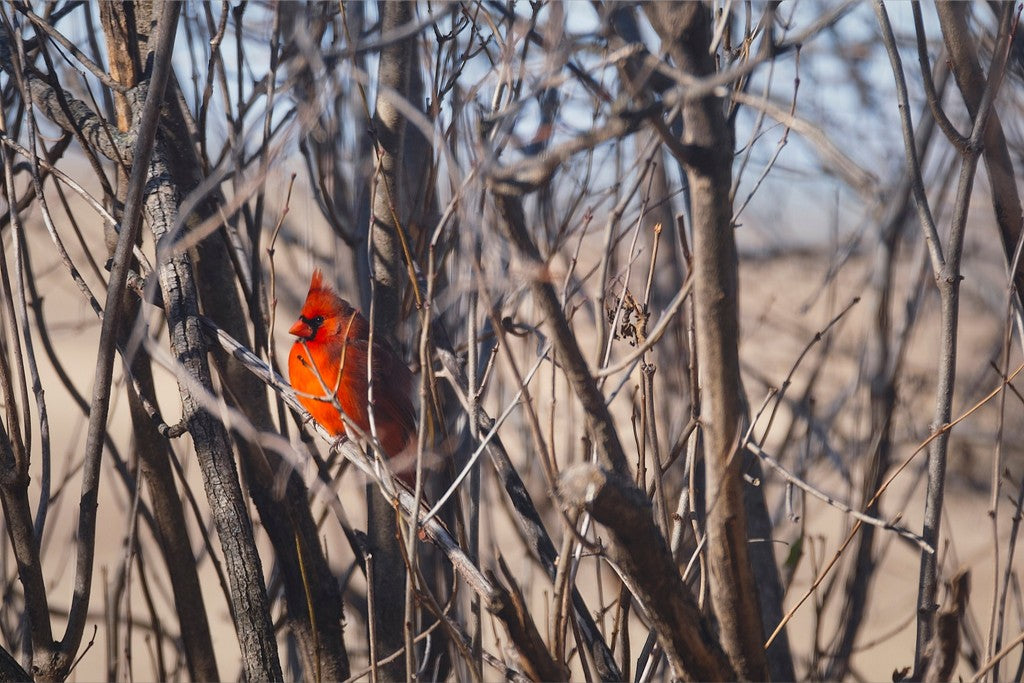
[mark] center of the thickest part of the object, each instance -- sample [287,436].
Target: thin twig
[839,505]
[878,493]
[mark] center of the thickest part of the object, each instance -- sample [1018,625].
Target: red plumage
[336,338]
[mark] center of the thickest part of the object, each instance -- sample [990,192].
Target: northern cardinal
[333,340]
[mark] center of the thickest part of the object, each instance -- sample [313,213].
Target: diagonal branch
[839,505]
[599,419]
[639,552]
[130,228]
[528,518]
[493,597]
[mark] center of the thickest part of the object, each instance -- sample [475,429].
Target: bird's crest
[317,283]
[323,292]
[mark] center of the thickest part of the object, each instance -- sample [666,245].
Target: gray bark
[213,450]
[125,29]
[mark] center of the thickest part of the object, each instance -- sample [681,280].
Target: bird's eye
[317,321]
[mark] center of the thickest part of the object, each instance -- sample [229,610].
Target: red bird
[333,340]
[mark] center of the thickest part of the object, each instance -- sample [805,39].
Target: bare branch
[943,652]
[837,504]
[639,553]
[599,420]
[148,122]
[685,31]
[515,615]
[530,524]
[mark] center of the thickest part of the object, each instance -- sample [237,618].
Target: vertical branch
[284,511]
[120,21]
[686,33]
[386,236]
[1005,201]
[947,276]
[979,95]
[14,455]
[131,224]
[387,274]
[971,81]
[882,368]
[213,450]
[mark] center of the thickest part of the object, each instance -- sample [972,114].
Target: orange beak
[300,329]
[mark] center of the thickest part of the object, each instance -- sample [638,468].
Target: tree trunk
[125,29]
[685,30]
[387,267]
